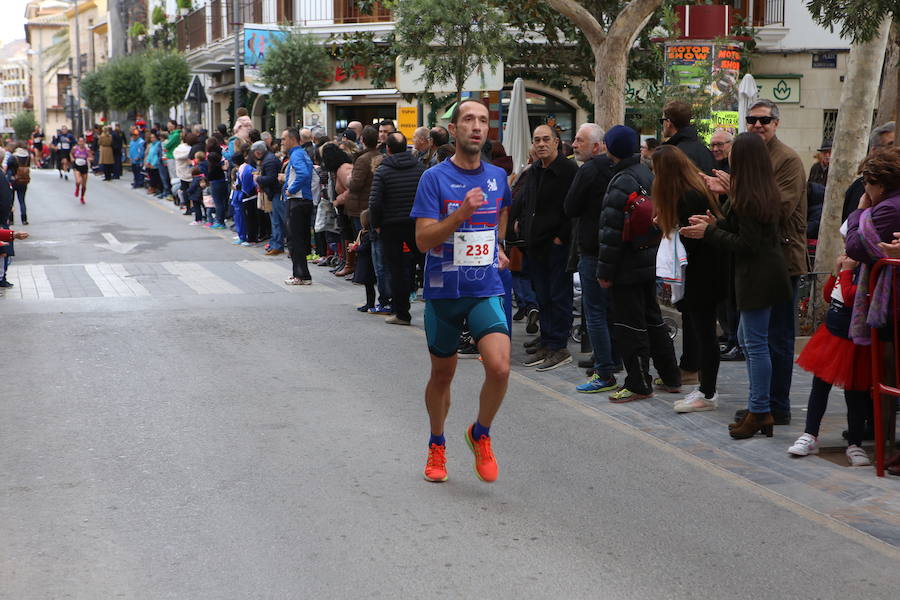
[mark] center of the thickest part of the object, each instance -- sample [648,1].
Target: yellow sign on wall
[407,121]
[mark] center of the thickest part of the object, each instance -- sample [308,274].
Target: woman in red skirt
[833,359]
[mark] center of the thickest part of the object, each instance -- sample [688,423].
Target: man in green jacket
[173,140]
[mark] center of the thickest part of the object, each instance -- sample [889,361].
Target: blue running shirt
[442,190]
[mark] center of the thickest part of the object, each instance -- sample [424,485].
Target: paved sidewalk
[853,496]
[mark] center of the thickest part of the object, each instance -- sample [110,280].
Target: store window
[543,109]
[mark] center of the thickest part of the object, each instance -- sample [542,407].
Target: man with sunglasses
[790,176]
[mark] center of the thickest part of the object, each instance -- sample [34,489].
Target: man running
[461,209]
[62,143]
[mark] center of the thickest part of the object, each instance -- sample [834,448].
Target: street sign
[407,121]
[783,89]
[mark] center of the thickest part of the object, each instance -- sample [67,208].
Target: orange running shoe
[436,466]
[485,463]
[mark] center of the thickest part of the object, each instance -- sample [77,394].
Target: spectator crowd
[603,229]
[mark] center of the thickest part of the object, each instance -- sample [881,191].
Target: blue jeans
[553,287]
[753,335]
[165,178]
[218,189]
[782,330]
[523,291]
[382,275]
[279,219]
[595,302]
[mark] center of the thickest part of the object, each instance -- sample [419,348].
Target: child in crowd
[365,270]
[194,194]
[833,359]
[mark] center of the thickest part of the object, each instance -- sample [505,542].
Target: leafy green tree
[866,25]
[296,68]
[125,83]
[166,78]
[860,21]
[450,38]
[23,124]
[93,90]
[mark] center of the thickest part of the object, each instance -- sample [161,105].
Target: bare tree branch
[581,17]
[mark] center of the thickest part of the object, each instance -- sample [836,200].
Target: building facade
[46,31]
[801,66]
[206,35]
[15,87]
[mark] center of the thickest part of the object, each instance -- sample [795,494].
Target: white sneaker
[857,456]
[804,446]
[696,401]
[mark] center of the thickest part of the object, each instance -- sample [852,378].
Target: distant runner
[461,207]
[62,144]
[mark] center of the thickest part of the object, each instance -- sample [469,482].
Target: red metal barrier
[879,388]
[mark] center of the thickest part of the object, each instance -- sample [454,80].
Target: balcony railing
[768,12]
[191,30]
[327,12]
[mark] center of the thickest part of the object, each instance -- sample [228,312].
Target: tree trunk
[889,101]
[610,52]
[611,65]
[851,135]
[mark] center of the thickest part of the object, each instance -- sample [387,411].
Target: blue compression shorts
[447,318]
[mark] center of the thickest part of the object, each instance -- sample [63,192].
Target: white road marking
[200,279]
[115,245]
[271,271]
[113,281]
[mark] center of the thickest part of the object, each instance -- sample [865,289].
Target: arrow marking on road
[115,245]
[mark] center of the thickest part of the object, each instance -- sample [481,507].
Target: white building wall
[803,33]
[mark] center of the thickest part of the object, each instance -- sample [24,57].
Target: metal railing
[190,32]
[768,12]
[327,12]
[885,390]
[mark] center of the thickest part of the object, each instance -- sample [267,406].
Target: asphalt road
[174,424]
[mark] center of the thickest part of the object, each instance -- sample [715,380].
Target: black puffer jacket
[619,261]
[688,142]
[394,189]
[540,213]
[267,181]
[585,201]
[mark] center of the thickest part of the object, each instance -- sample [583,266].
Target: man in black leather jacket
[629,272]
[547,231]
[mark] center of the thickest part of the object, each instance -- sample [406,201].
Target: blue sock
[437,440]
[479,430]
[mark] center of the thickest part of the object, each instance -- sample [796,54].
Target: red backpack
[639,229]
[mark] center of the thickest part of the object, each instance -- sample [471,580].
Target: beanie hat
[621,141]
[349,134]
[259,146]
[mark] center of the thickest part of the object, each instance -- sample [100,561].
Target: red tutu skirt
[837,361]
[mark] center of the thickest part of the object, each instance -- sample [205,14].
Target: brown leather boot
[752,423]
[349,266]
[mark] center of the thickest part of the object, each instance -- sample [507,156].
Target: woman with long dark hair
[750,231]
[678,193]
